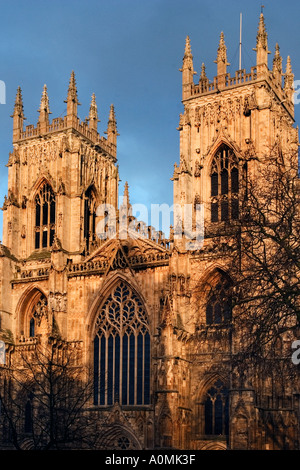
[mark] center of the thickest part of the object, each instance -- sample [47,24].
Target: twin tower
[58,280]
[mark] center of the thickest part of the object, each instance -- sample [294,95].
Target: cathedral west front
[133,305]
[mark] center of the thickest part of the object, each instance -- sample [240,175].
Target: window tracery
[122,350]
[45,215]
[224,186]
[216,410]
[219,305]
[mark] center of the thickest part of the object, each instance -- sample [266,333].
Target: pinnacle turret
[93,114]
[188,50]
[289,80]
[72,100]
[112,127]
[277,65]
[44,110]
[72,90]
[222,61]
[187,69]
[18,115]
[203,81]
[262,43]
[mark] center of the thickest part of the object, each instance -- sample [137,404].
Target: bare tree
[45,398]
[266,269]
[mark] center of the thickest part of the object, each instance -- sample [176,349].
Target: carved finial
[112,126]
[188,50]
[222,56]
[72,90]
[44,106]
[203,82]
[93,114]
[18,115]
[187,70]
[262,43]
[72,100]
[19,99]
[262,35]
[289,80]
[288,70]
[126,194]
[277,65]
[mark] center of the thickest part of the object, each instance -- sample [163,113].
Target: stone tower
[230,125]
[248,113]
[58,174]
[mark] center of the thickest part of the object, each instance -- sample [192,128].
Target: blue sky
[128,52]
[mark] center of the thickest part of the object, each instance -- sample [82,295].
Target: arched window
[89,219]
[45,212]
[219,305]
[224,186]
[216,410]
[122,350]
[39,310]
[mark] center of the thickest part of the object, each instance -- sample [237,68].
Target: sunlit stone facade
[131,303]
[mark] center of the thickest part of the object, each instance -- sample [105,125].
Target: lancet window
[216,410]
[224,186]
[122,350]
[45,214]
[219,305]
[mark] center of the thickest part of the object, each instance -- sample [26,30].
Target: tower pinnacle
[222,56]
[44,110]
[277,65]
[93,114]
[112,126]
[18,115]
[289,80]
[187,70]
[72,100]
[262,43]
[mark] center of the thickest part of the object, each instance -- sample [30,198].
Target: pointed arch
[224,183]
[213,406]
[121,348]
[214,286]
[31,309]
[44,221]
[118,437]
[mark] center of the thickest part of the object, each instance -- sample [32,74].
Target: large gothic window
[216,410]
[45,212]
[89,219]
[224,186]
[122,350]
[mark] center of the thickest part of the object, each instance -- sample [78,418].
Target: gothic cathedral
[127,303]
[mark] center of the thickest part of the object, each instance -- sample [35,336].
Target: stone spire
[277,66]
[112,127]
[93,114]
[72,100]
[222,57]
[18,115]
[289,80]
[126,194]
[125,212]
[44,111]
[187,70]
[262,43]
